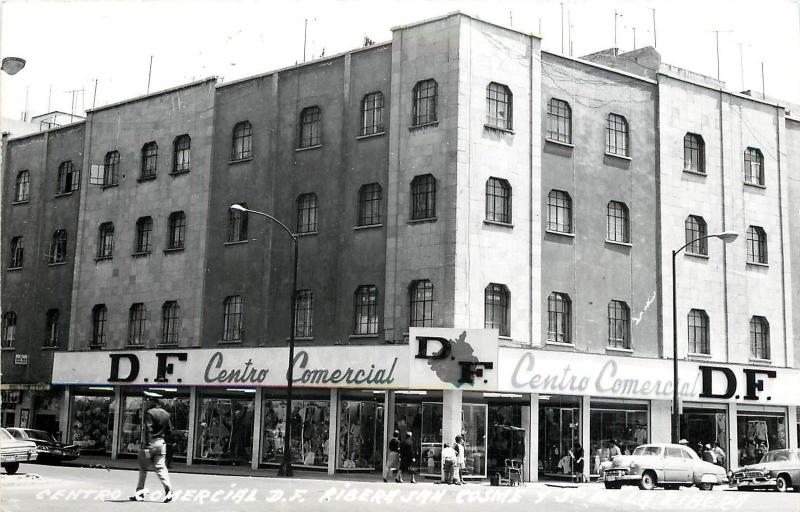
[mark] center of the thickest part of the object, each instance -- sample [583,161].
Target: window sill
[363,336]
[301,338]
[417,127]
[57,264]
[142,179]
[25,201]
[560,233]
[615,242]
[134,346]
[619,349]
[754,185]
[8,349]
[368,226]
[697,355]
[49,348]
[178,173]
[236,242]
[307,233]
[63,194]
[370,135]
[757,264]
[551,343]
[234,161]
[173,250]
[103,258]
[696,173]
[422,221]
[316,146]
[110,185]
[171,344]
[621,157]
[758,360]
[95,347]
[13,269]
[697,255]
[498,223]
[230,342]
[498,129]
[140,254]
[559,143]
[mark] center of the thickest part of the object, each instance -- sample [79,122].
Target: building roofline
[459,13]
[303,64]
[56,112]
[154,94]
[49,130]
[600,66]
[725,91]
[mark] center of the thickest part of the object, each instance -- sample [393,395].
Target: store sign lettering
[372,376]
[470,366]
[753,383]
[248,374]
[163,367]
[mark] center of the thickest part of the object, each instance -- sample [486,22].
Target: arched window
[753,166]
[423,197]
[304,314]
[22,187]
[697,322]
[182,147]
[424,99]
[310,127]
[53,329]
[144,228]
[369,204]
[617,222]
[365,306]
[111,169]
[170,322]
[499,106]
[617,135]
[372,114]
[619,325]
[99,318]
[694,153]
[498,200]
[68,178]
[176,234]
[9,334]
[149,160]
[695,227]
[495,308]
[757,245]
[233,312]
[137,324]
[58,246]
[307,210]
[559,211]
[237,225]
[421,303]
[759,338]
[242,146]
[17,252]
[559,318]
[559,121]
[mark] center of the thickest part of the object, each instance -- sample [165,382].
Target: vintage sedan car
[13,451]
[48,448]
[778,469]
[664,465]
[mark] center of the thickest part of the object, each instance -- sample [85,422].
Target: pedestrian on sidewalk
[461,458]
[449,461]
[407,459]
[577,463]
[393,457]
[153,449]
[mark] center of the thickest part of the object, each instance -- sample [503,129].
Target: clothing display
[309,431]
[93,423]
[360,433]
[226,429]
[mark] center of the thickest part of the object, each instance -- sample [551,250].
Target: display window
[92,422]
[224,429]
[360,427]
[506,437]
[701,427]
[473,426]
[420,412]
[310,423]
[46,413]
[559,432]
[615,427]
[759,432]
[133,415]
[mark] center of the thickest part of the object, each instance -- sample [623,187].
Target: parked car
[13,451]
[48,448]
[778,469]
[664,465]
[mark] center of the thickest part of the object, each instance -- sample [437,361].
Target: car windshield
[4,435]
[41,435]
[647,450]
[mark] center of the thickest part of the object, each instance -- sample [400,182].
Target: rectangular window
[425,99]
[68,178]
[137,329]
[232,320]
[304,314]
[372,114]
[366,310]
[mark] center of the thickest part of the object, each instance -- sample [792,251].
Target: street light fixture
[727,237]
[12,65]
[285,468]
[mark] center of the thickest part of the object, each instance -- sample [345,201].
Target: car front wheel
[648,481]
[11,467]
[782,483]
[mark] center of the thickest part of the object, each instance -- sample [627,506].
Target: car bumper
[19,457]
[753,482]
[618,475]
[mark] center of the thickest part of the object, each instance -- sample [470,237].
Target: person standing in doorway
[407,459]
[393,457]
[153,450]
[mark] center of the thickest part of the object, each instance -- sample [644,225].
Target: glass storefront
[420,412]
[360,440]
[759,432]
[133,414]
[92,421]
[224,429]
[559,432]
[310,421]
[623,423]
[473,425]
[702,426]
[506,436]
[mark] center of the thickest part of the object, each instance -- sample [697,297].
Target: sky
[77,45]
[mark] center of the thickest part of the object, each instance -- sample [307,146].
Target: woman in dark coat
[407,459]
[577,463]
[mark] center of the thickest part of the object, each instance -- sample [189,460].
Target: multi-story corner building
[485,235]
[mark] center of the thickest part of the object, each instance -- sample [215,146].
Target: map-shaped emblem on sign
[448,369]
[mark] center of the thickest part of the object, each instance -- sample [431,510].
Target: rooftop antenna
[149,73]
[510,19]
[305,38]
[763,88]
[72,105]
[716,32]
[540,26]
[25,112]
[616,15]
[634,37]
[49,95]
[569,33]
[655,39]
[562,28]
[94,97]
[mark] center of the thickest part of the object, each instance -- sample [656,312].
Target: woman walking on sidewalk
[393,457]
[407,459]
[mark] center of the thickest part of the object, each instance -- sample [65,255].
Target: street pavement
[74,489]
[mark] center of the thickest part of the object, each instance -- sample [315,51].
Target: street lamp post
[727,237]
[285,468]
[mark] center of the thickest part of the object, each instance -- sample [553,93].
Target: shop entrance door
[559,432]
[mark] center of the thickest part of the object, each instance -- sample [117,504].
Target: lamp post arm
[273,219]
[687,244]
